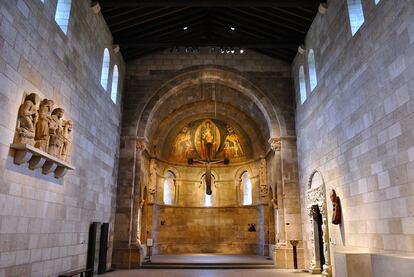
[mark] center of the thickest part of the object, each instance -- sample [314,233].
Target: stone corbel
[26,153]
[275,144]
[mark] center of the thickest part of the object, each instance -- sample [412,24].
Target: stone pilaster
[127,250]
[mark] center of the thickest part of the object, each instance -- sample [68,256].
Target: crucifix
[208,161]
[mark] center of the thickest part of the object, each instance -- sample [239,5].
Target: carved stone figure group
[41,125]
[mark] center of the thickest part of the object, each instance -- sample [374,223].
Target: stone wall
[356,127]
[44,221]
[207,230]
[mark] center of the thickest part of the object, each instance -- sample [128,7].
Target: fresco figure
[232,146]
[182,147]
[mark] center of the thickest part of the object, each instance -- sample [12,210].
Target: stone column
[264,190]
[127,251]
[288,200]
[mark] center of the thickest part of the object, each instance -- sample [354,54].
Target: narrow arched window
[302,85]
[62,14]
[169,188]
[312,70]
[208,199]
[377,1]
[247,188]
[356,15]
[105,69]
[114,89]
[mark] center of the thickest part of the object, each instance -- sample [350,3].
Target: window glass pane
[312,70]
[114,90]
[356,15]
[247,189]
[105,69]
[62,14]
[302,85]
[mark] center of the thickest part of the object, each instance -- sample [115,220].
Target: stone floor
[208,273]
[209,259]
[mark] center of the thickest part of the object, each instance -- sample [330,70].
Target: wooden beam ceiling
[273,27]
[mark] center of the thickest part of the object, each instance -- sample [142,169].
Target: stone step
[152,265]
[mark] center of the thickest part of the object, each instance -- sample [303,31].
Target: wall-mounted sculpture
[336,208]
[42,138]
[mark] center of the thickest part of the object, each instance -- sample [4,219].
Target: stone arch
[213,74]
[317,204]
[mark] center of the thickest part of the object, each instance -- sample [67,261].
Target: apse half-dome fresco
[208,139]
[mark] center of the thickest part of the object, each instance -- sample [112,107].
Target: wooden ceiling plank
[117,30]
[272,22]
[179,21]
[298,23]
[295,14]
[255,26]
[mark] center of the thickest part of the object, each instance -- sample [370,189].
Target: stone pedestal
[283,257]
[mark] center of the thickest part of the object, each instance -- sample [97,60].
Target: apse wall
[44,221]
[356,128]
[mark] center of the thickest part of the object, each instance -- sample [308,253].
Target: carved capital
[275,144]
[141,144]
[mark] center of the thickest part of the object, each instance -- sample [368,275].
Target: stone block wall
[44,221]
[356,127]
[207,230]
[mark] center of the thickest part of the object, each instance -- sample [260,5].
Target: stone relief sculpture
[42,126]
[41,130]
[67,139]
[56,133]
[26,121]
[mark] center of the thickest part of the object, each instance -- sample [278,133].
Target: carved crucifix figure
[208,162]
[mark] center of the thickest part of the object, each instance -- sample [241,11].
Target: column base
[127,258]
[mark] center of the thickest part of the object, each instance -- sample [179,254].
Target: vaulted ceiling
[273,27]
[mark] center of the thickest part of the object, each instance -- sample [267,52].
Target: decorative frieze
[42,138]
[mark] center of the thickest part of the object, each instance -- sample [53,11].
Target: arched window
[377,1]
[105,69]
[169,188]
[62,14]
[312,70]
[208,199]
[247,188]
[114,89]
[302,85]
[356,15]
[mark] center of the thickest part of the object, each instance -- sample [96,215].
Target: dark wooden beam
[253,43]
[211,3]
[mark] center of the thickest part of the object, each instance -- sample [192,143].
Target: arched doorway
[318,225]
